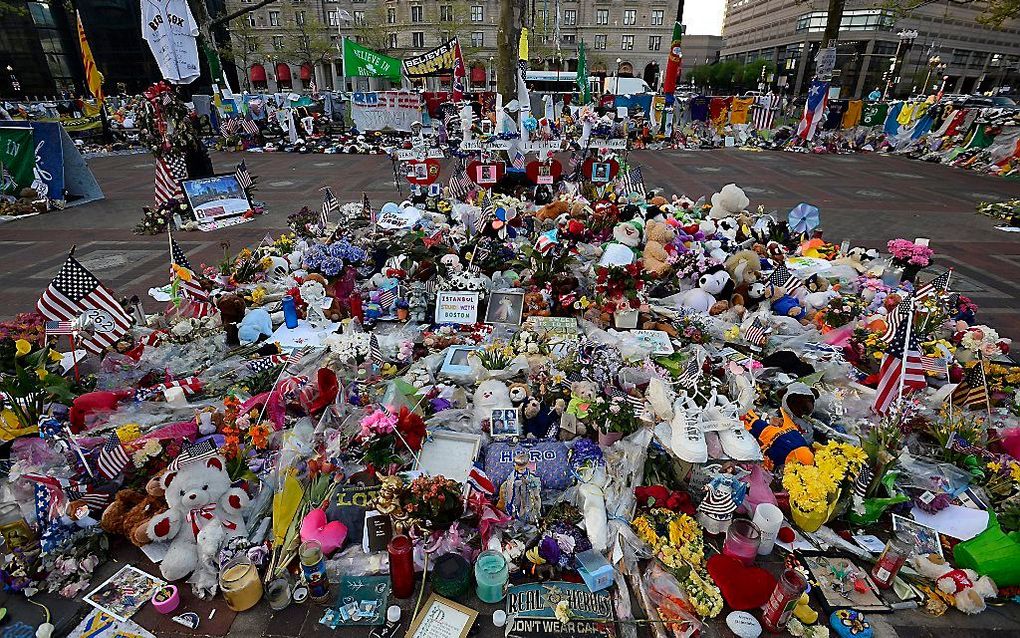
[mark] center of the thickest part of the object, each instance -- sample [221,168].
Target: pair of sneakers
[696,430]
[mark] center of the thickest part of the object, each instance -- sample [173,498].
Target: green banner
[17,159]
[583,86]
[362,62]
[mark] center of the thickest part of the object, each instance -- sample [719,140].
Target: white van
[625,86]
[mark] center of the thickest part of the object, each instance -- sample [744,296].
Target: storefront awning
[282,72]
[306,72]
[478,74]
[257,73]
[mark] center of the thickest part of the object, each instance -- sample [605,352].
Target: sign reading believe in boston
[533,608]
[438,61]
[360,61]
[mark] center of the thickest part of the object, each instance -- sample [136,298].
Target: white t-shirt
[171,31]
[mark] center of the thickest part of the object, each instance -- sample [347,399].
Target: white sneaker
[687,440]
[738,444]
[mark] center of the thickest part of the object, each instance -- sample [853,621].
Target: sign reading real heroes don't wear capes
[532,607]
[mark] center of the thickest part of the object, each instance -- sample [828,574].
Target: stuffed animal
[702,298]
[729,202]
[519,393]
[744,267]
[131,510]
[255,324]
[582,393]
[204,511]
[658,235]
[628,234]
[858,258]
[536,305]
[541,421]
[815,301]
[93,403]
[784,304]
[231,309]
[968,590]
[816,283]
[780,441]
[491,394]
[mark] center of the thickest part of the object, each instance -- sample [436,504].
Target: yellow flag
[522,48]
[92,75]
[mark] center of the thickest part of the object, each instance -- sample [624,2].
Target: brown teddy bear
[131,511]
[231,313]
[535,305]
[658,235]
[552,210]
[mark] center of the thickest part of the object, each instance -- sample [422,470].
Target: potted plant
[620,291]
[613,417]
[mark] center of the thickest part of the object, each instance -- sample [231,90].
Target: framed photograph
[450,454]
[124,593]
[545,175]
[421,171]
[925,538]
[442,618]
[456,362]
[505,307]
[216,197]
[505,424]
[600,172]
[487,174]
[836,578]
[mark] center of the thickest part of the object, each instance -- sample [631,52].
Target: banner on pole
[439,61]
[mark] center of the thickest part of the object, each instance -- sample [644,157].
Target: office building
[976,58]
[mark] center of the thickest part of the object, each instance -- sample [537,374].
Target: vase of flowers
[816,490]
[614,417]
[910,257]
[620,292]
[625,319]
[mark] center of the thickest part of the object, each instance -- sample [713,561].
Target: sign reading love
[423,172]
[600,172]
[544,172]
[487,174]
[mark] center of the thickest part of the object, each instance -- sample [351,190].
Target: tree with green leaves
[245,48]
[994,13]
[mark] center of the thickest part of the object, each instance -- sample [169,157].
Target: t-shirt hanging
[171,31]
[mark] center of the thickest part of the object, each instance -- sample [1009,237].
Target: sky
[704,17]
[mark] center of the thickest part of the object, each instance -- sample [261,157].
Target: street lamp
[934,62]
[906,38]
[619,61]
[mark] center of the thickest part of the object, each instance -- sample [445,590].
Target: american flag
[190,385]
[689,376]
[633,181]
[517,161]
[249,126]
[196,453]
[781,277]
[243,176]
[74,292]
[933,364]
[814,110]
[894,373]
[170,171]
[113,458]
[59,328]
[189,288]
[894,319]
[330,206]
[973,390]
[387,297]
[375,352]
[938,286]
[459,184]
[228,127]
[367,210]
[756,333]
[296,356]
[764,112]
[258,366]
[96,499]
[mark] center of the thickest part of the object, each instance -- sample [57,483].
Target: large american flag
[170,170]
[243,176]
[764,112]
[330,206]
[814,110]
[895,372]
[633,182]
[75,292]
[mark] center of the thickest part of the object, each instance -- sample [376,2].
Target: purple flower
[549,549]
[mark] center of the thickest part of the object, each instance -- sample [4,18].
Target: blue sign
[49,159]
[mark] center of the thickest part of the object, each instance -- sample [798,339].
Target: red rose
[651,495]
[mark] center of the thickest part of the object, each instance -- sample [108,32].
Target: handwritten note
[442,618]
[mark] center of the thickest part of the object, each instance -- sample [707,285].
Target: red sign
[423,172]
[544,172]
[486,175]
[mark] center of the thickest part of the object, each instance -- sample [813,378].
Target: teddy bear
[858,258]
[658,235]
[629,234]
[784,304]
[582,393]
[203,512]
[491,394]
[968,590]
[231,309]
[536,305]
[541,421]
[815,301]
[728,202]
[744,267]
[255,324]
[314,293]
[131,510]
[519,393]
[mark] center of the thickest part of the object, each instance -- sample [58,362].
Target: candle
[313,566]
[491,576]
[241,585]
[768,518]
[401,566]
[742,539]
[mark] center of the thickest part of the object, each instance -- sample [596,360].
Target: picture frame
[442,618]
[925,538]
[450,454]
[487,174]
[505,308]
[215,197]
[505,424]
[456,362]
[124,593]
[600,172]
[840,595]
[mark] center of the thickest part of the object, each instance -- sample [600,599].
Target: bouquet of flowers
[619,287]
[979,340]
[614,414]
[435,501]
[815,489]
[690,266]
[331,259]
[303,221]
[386,435]
[351,347]
[907,253]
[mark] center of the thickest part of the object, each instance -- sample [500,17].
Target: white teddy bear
[729,202]
[964,585]
[204,512]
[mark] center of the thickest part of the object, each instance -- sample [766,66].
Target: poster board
[216,197]
[394,110]
[532,606]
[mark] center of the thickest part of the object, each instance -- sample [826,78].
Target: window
[657,16]
[332,18]
[393,40]
[417,39]
[446,13]
[570,17]
[853,19]
[299,17]
[251,20]
[627,43]
[359,18]
[569,38]
[629,16]
[416,13]
[477,13]
[602,16]
[654,42]
[297,1]
[478,39]
[277,42]
[391,16]
[274,18]
[600,41]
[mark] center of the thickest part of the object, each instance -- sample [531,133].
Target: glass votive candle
[240,582]
[491,576]
[742,540]
[768,518]
[401,551]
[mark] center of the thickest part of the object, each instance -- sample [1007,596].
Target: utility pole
[832,21]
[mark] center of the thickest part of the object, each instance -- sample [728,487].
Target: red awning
[478,74]
[258,73]
[282,72]
[306,72]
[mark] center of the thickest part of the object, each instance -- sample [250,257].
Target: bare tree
[308,41]
[245,48]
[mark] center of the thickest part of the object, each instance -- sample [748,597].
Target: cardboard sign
[600,172]
[532,608]
[423,172]
[544,172]
[456,307]
[487,174]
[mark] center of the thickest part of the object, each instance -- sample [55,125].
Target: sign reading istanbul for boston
[457,307]
[438,61]
[395,110]
[532,607]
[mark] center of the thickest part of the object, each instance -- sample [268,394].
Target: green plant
[32,380]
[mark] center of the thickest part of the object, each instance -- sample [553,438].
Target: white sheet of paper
[67,360]
[303,336]
[799,542]
[871,543]
[959,522]
[156,551]
[617,255]
[160,294]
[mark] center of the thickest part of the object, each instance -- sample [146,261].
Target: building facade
[977,58]
[289,44]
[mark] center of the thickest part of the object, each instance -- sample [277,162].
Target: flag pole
[984,382]
[906,347]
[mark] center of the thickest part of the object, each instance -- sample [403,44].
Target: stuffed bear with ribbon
[204,511]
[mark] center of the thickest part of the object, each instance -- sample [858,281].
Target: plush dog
[131,510]
[968,590]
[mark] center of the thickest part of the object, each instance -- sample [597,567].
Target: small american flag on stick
[170,170]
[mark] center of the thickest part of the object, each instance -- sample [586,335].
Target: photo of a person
[487,174]
[505,307]
[504,424]
[600,173]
